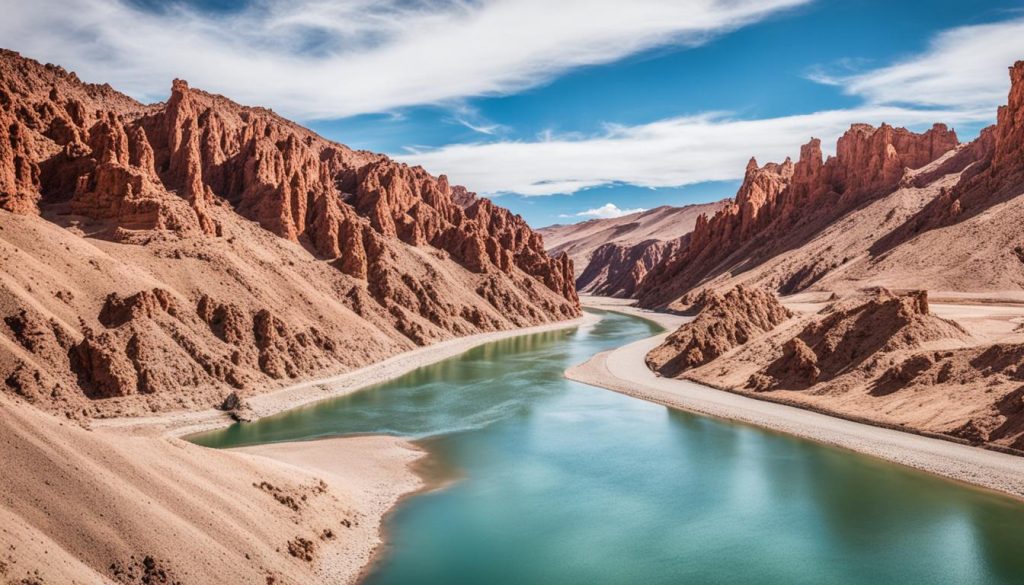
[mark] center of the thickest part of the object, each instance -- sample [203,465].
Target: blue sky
[558,107]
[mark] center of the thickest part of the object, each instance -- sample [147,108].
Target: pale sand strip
[178,424]
[623,370]
[376,471]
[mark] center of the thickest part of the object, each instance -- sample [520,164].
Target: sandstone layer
[161,256]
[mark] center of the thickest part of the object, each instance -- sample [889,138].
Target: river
[548,481]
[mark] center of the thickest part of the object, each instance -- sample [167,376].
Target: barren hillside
[611,256]
[157,257]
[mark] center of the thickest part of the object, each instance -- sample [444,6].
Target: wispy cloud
[470,117]
[606,211]
[322,59]
[666,153]
[963,68]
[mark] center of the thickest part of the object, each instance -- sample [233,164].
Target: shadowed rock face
[611,256]
[994,172]
[777,200]
[615,270]
[412,256]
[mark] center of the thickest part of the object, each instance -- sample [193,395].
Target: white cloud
[606,211]
[963,67]
[960,79]
[666,153]
[320,58]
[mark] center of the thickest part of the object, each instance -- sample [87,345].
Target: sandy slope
[663,223]
[623,370]
[80,506]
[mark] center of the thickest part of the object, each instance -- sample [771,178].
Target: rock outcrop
[355,256]
[884,358]
[723,323]
[778,202]
[994,171]
[850,334]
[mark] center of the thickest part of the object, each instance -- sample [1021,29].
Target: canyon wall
[158,256]
[779,206]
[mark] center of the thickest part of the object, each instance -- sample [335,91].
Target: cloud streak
[963,67]
[959,79]
[330,59]
[666,153]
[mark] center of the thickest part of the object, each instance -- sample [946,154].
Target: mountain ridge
[237,249]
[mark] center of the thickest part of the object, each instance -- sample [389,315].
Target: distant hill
[621,248]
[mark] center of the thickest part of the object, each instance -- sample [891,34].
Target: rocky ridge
[724,322]
[611,256]
[778,202]
[883,357]
[218,246]
[615,270]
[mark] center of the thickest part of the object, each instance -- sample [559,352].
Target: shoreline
[623,370]
[389,477]
[380,471]
[180,424]
[299,512]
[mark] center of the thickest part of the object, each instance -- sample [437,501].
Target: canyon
[182,266]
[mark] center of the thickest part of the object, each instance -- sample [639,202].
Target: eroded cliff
[158,256]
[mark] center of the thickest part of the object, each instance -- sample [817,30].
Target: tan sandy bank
[187,422]
[624,370]
[79,506]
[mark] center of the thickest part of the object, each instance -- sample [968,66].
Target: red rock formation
[297,185]
[714,239]
[1008,159]
[996,167]
[19,174]
[724,322]
[776,201]
[397,254]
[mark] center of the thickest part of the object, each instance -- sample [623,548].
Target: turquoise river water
[560,483]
